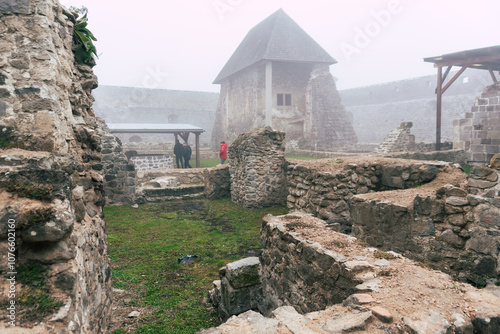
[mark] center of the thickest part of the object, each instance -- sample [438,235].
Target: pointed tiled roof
[278,38]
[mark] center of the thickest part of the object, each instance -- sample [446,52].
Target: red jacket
[223,151]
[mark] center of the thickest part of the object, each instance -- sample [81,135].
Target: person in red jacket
[223,152]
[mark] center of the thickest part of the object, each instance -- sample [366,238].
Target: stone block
[244,272]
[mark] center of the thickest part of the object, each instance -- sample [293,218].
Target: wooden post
[439,94]
[197,149]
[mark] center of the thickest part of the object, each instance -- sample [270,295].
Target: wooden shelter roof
[484,58]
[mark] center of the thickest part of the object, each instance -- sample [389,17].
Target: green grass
[205,163]
[146,243]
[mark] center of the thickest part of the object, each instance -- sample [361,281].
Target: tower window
[284,99]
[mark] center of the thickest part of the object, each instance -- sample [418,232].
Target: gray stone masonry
[398,140]
[217,182]
[456,230]
[314,280]
[119,174]
[327,194]
[257,168]
[46,115]
[479,132]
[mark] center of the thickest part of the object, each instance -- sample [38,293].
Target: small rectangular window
[288,99]
[280,100]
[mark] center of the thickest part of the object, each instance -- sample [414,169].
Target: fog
[182,45]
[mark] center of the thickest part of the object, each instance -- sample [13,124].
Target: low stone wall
[454,229]
[257,168]
[182,176]
[324,188]
[455,156]
[315,280]
[152,161]
[217,182]
[299,272]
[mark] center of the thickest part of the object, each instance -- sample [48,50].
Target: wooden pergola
[182,130]
[484,59]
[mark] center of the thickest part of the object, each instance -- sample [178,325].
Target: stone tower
[279,77]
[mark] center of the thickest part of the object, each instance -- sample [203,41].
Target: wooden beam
[439,94]
[446,73]
[493,76]
[452,80]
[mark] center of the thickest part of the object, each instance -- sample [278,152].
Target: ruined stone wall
[119,174]
[325,190]
[50,171]
[217,182]
[257,168]
[479,133]
[454,229]
[300,272]
[398,140]
[327,125]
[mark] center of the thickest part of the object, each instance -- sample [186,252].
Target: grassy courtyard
[145,245]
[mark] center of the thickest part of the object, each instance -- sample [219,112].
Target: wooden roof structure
[276,38]
[484,59]
[182,130]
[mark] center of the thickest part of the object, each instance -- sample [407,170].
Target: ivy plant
[85,49]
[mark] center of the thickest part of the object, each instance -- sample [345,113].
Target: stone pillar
[257,168]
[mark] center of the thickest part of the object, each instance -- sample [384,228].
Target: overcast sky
[183,44]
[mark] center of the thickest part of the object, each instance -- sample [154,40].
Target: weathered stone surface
[381,313]
[358,299]
[244,272]
[433,323]
[344,323]
[47,107]
[257,168]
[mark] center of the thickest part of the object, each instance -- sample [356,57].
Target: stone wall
[152,161]
[217,182]
[50,171]
[257,168]
[315,280]
[299,272]
[398,140]
[454,229]
[479,133]
[119,173]
[378,109]
[324,189]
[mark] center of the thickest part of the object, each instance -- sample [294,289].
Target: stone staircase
[170,184]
